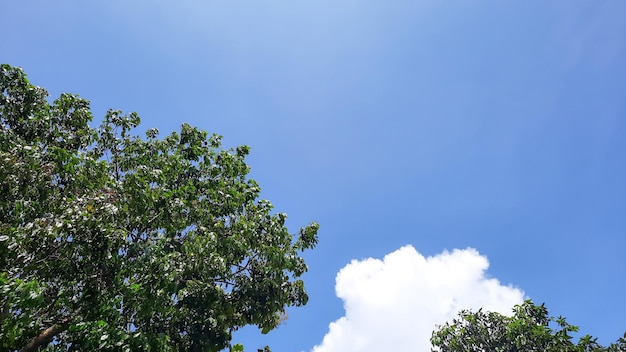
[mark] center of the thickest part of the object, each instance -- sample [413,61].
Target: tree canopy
[114,241]
[529,329]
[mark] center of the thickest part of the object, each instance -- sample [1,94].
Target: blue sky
[494,125]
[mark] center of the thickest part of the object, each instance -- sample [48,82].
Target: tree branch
[46,336]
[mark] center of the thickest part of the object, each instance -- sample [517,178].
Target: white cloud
[394,304]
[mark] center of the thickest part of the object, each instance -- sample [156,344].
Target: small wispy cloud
[395,303]
[586,34]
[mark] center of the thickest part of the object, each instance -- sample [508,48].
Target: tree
[530,329]
[112,241]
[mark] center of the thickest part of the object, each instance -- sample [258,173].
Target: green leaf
[143,236]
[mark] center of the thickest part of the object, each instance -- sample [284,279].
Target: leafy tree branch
[132,242]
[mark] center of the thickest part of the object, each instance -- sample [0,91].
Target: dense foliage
[113,241]
[529,329]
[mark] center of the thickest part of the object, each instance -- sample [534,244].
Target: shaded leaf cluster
[529,329]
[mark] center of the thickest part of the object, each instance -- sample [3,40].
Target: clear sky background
[490,129]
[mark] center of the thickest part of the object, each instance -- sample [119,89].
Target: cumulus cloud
[394,304]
